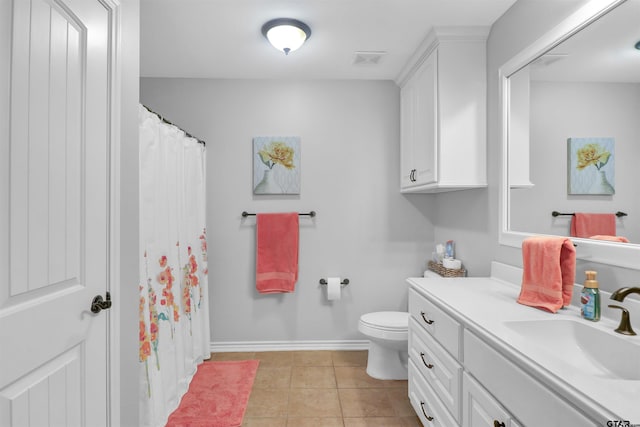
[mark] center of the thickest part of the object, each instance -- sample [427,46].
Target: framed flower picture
[276,165]
[590,165]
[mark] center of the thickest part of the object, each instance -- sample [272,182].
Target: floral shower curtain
[174,312]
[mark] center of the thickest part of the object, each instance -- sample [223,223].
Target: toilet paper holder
[343,282]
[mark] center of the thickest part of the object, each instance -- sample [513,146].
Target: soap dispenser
[590,297]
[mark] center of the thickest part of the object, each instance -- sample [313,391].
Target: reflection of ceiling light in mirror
[548,59]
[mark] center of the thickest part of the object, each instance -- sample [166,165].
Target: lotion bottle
[590,297]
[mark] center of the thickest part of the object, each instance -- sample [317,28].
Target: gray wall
[128,298]
[560,110]
[364,230]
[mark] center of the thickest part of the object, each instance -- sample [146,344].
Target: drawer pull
[428,365]
[427,321]
[497,423]
[425,414]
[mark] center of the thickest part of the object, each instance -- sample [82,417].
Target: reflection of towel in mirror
[591,224]
[620,239]
[276,252]
[549,271]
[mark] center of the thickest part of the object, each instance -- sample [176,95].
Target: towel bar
[556,213]
[311,214]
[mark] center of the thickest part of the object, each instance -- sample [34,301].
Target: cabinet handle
[427,321]
[414,175]
[428,365]
[497,423]
[425,414]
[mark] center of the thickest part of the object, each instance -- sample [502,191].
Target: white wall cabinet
[443,113]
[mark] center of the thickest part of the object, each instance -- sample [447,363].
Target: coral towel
[549,272]
[591,224]
[276,252]
[620,239]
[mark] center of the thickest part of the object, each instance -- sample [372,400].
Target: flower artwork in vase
[276,165]
[591,168]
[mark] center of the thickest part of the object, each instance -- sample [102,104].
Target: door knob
[98,304]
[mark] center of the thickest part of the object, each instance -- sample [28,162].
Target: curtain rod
[169,123]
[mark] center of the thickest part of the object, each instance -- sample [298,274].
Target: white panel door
[55,135]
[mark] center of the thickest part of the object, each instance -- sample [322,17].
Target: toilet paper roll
[334,288]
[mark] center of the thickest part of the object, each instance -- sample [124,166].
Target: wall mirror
[571,134]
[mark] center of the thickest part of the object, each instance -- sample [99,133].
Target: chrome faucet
[625,324]
[622,293]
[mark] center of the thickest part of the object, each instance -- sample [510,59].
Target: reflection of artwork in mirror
[591,166]
[276,165]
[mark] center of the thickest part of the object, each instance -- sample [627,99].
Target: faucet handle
[625,325]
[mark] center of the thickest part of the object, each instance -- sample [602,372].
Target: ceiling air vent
[368,58]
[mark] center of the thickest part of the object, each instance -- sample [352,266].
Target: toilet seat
[390,325]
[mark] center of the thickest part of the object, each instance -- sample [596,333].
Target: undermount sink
[588,348]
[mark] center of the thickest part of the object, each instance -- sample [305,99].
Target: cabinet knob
[423,411]
[427,321]
[428,365]
[497,423]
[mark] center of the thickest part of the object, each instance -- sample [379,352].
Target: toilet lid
[387,319]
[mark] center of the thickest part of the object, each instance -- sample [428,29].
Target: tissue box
[446,272]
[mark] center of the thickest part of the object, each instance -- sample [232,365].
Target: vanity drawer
[429,408]
[446,330]
[441,371]
[526,398]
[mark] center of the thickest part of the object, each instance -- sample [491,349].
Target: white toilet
[388,333]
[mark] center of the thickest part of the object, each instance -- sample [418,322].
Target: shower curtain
[174,313]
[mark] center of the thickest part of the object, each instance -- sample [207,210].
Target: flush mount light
[286,34]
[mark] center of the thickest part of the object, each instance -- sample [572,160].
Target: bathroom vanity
[478,358]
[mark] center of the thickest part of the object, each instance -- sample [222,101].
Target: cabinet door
[480,409]
[407,120]
[425,147]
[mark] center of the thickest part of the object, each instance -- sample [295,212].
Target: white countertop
[483,305]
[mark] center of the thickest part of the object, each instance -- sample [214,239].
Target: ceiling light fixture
[286,34]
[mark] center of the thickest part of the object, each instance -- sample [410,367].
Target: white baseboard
[247,346]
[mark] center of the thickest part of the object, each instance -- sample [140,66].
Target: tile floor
[322,389]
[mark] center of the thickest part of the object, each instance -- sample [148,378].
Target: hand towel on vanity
[620,239]
[276,252]
[549,271]
[591,224]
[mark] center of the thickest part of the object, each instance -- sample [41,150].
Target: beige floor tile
[275,358]
[312,358]
[313,377]
[411,421]
[267,403]
[315,422]
[232,356]
[264,422]
[349,358]
[363,402]
[273,377]
[356,377]
[399,398]
[374,422]
[322,403]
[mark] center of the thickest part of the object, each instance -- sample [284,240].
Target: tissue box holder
[446,272]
